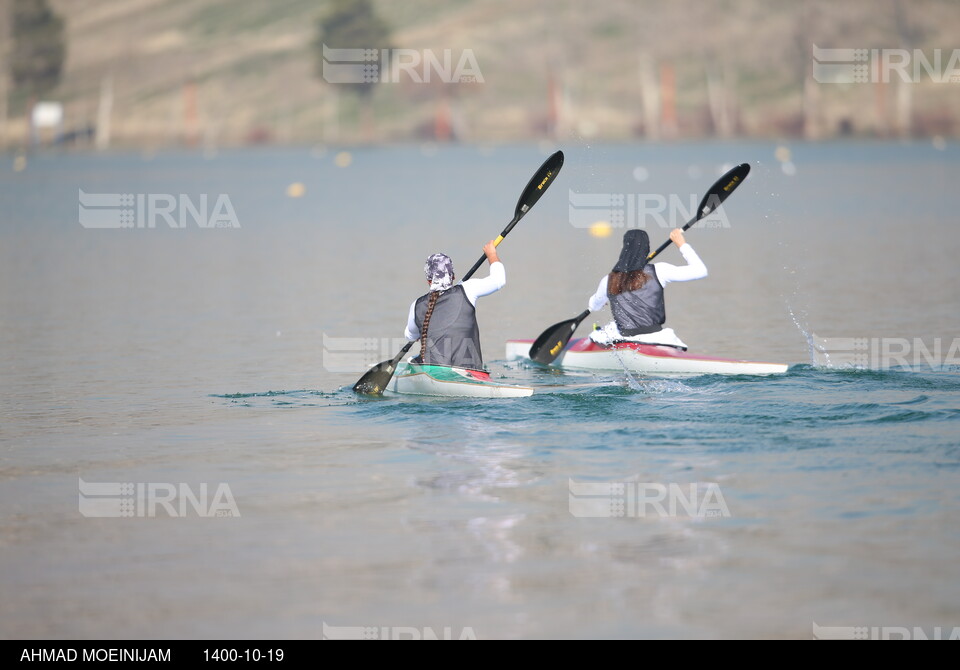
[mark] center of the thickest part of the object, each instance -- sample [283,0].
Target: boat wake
[288,399]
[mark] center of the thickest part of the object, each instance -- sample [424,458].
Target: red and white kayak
[647,359]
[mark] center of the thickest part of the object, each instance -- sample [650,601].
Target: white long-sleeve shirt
[666,273]
[473,288]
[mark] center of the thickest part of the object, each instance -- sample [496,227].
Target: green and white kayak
[443,380]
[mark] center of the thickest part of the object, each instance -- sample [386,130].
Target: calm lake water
[205,356]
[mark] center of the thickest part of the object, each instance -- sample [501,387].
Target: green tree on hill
[354,24]
[36,61]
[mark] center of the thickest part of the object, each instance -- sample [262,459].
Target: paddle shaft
[719,192]
[535,188]
[667,243]
[496,243]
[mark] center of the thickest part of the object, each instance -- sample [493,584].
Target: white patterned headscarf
[439,271]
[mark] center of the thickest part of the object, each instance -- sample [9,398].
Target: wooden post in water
[442,125]
[650,94]
[191,121]
[104,113]
[880,92]
[720,100]
[668,96]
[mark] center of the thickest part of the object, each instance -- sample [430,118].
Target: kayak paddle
[377,377]
[551,342]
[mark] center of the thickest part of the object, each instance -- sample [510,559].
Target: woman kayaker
[445,318]
[635,291]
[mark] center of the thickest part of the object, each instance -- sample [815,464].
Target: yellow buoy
[343,159]
[601,229]
[782,154]
[296,190]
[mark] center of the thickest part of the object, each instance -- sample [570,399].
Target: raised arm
[694,269]
[496,280]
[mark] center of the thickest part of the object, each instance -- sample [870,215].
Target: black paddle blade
[376,378]
[539,183]
[536,187]
[712,199]
[551,342]
[720,191]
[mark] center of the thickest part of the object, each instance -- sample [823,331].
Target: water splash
[631,380]
[802,329]
[671,386]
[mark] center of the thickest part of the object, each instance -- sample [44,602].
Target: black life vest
[642,311]
[453,337]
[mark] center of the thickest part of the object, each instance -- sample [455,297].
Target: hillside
[230,72]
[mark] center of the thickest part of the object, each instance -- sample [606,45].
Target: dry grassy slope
[253,64]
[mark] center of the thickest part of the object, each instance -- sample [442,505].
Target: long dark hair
[431,303]
[618,282]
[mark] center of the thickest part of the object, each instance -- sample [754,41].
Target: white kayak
[442,380]
[647,359]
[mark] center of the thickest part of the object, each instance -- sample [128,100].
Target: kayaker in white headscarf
[445,319]
[634,290]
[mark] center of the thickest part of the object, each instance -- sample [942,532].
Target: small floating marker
[20,163]
[788,168]
[295,190]
[782,154]
[601,229]
[343,159]
[641,173]
[939,142]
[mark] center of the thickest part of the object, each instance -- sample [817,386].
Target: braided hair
[431,303]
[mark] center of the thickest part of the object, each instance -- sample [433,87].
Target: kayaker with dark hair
[444,319]
[634,290]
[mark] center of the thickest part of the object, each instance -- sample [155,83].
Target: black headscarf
[633,255]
